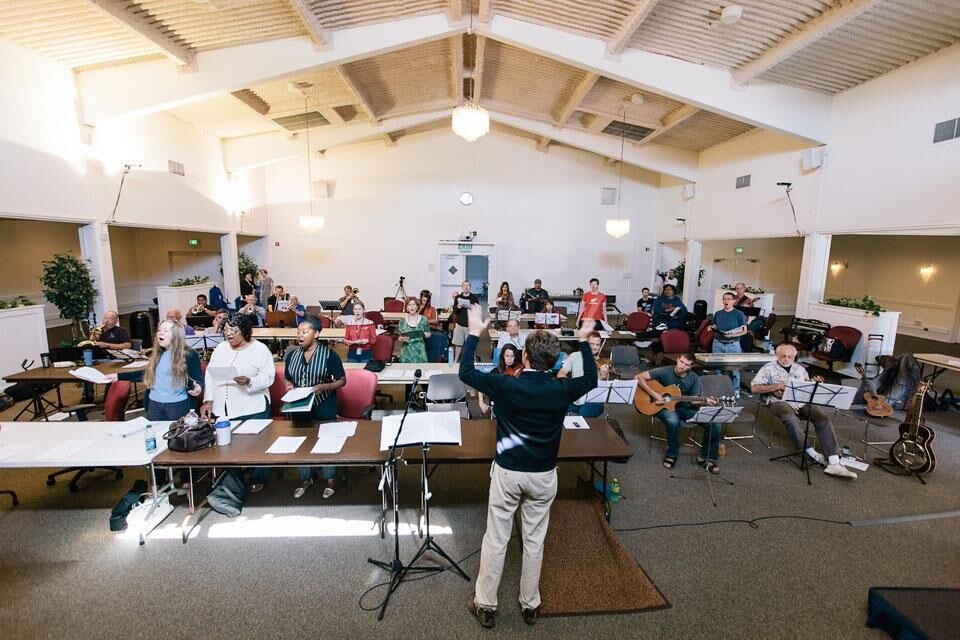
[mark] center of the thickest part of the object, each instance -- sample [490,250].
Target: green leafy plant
[753,290]
[247,265]
[19,301]
[67,284]
[186,282]
[866,303]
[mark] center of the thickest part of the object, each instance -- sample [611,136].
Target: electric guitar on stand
[912,449]
[646,405]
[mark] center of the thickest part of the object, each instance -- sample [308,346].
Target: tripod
[395,566]
[400,289]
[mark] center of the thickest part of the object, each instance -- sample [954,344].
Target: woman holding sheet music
[359,335]
[172,375]
[414,329]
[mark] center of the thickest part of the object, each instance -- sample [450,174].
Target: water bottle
[149,439]
[450,355]
[722,449]
[615,490]
[191,419]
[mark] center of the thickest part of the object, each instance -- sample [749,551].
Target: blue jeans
[364,356]
[709,447]
[587,409]
[157,411]
[730,347]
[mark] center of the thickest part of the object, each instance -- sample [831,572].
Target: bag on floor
[899,379]
[228,494]
[118,516]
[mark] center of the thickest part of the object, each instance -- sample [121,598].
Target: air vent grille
[175,168]
[947,130]
[608,195]
[743,181]
[299,121]
[629,131]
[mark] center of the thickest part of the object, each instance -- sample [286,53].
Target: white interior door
[733,270]
[451,270]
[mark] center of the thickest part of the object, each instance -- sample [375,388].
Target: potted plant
[866,303]
[247,265]
[186,282]
[16,303]
[68,285]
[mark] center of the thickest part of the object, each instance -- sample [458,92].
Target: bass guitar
[877,405]
[646,405]
[912,449]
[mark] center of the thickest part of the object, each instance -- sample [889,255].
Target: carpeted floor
[775,559]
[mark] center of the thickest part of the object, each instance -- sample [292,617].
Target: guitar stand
[893,467]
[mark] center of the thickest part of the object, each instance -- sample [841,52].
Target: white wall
[779,267]
[392,206]
[882,171]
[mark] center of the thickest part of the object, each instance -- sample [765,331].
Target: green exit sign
[738,250]
[193,242]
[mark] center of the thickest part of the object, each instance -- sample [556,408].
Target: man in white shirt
[512,336]
[254,312]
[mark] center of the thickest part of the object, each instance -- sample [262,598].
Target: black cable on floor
[750,523]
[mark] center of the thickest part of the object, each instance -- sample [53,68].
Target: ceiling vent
[176,168]
[608,195]
[299,122]
[629,131]
[743,181]
[947,130]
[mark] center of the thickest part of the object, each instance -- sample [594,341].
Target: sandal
[669,462]
[712,467]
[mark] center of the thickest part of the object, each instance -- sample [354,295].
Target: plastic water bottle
[191,419]
[450,355]
[615,490]
[149,439]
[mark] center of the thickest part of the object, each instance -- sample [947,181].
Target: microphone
[417,373]
[784,184]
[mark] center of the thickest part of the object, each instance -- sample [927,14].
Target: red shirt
[593,305]
[359,332]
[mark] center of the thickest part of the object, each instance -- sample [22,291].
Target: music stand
[706,415]
[204,343]
[817,394]
[505,315]
[612,392]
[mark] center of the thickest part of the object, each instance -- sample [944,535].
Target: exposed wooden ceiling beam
[252,100]
[599,123]
[390,139]
[455,10]
[670,121]
[484,12]
[331,114]
[565,110]
[354,88]
[818,28]
[618,42]
[543,144]
[478,67]
[317,31]
[456,68]
[149,27]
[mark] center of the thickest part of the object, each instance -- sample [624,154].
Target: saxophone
[93,338]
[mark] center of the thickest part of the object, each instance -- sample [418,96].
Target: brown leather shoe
[530,615]
[486,617]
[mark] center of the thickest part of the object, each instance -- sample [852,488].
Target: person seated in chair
[547,307]
[254,312]
[298,309]
[683,376]
[741,298]
[425,308]
[573,368]
[533,299]
[669,309]
[113,335]
[645,301]
[201,308]
[174,315]
[772,379]
[512,336]
[312,364]
[274,302]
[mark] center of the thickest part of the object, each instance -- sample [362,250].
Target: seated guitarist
[772,378]
[682,376]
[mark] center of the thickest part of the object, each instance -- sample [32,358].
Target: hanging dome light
[471,122]
[618,227]
[311,222]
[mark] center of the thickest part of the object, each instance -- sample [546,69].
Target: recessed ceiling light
[731,14]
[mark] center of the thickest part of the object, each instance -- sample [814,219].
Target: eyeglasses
[229,333]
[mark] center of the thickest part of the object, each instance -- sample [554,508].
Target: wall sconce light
[836,267]
[926,272]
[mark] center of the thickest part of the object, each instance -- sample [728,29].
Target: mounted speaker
[689,191]
[812,158]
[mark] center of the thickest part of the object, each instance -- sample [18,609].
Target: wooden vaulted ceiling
[821,45]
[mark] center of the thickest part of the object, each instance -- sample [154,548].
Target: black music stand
[706,415]
[612,392]
[816,394]
[204,342]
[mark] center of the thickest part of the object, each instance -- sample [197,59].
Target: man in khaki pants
[530,410]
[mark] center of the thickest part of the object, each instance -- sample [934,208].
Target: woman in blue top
[172,376]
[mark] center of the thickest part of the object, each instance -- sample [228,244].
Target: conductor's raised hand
[586,328]
[476,323]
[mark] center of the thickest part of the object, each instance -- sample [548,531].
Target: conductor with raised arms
[530,412]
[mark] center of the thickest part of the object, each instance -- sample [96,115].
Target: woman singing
[360,335]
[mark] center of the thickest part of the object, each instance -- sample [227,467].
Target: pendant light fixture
[471,121]
[619,226]
[310,222]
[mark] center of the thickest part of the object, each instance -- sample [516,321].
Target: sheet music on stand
[717,414]
[504,315]
[819,393]
[429,427]
[204,341]
[612,392]
[546,319]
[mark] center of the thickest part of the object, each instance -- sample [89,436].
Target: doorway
[464,261]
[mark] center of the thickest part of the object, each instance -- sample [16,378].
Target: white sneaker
[302,489]
[839,471]
[819,458]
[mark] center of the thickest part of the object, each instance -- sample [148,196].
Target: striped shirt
[325,366]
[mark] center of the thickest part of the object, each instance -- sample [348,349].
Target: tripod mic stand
[395,566]
[400,289]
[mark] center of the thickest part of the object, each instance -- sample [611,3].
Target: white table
[103,450]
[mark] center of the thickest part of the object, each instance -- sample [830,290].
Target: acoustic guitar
[877,405]
[912,449]
[645,404]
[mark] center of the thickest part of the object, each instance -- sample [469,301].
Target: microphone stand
[395,567]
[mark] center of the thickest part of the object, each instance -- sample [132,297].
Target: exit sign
[738,250]
[193,242]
